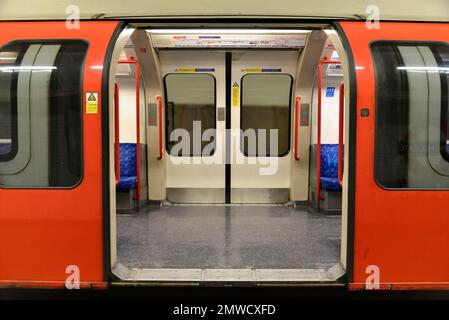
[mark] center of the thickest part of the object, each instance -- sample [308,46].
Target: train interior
[221,170]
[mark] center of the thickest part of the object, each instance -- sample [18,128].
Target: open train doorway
[231,155]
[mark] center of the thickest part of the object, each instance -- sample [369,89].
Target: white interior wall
[127,110]
[329,111]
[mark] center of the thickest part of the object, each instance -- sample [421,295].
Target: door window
[265,107]
[190,114]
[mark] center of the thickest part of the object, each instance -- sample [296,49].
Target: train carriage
[224,144]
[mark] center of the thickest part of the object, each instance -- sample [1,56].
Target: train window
[412,84]
[41,114]
[265,105]
[190,114]
[8,105]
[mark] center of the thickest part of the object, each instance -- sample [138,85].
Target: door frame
[338,271]
[350,154]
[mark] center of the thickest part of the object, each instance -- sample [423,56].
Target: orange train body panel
[404,233]
[42,231]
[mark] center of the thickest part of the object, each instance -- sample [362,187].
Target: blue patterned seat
[128,167]
[329,167]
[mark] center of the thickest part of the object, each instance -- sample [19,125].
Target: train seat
[128,167]
[329,167]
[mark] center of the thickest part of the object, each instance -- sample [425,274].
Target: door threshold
[220,277]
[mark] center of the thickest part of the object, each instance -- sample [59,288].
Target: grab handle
[159,105]
[340,132]
[295,146]
[117,134]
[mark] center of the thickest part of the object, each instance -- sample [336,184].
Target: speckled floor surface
[228,237]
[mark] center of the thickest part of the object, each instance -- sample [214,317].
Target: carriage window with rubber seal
[190,114]
[41,113]
[265,109]
[412,122]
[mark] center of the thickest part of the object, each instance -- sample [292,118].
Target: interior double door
[228,118]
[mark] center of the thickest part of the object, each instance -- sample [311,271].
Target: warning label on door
[91,102]
[235,95]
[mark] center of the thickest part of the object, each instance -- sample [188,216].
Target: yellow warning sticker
[185,70]
[91,102]
[252,70]
[235,95]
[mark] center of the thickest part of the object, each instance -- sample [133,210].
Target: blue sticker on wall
[330,91]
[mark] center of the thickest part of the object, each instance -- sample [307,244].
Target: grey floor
[228,237]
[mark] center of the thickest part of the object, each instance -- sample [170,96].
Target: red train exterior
[404,233]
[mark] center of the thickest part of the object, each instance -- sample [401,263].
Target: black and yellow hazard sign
[91,102]
[235,95]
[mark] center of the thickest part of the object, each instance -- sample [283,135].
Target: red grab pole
[117,133]
[318,149]
[295,147]
[340,132]
[136,64]
[159,105]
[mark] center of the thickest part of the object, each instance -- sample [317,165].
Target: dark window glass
[9,57]
[265,106]
[41,114]
[411,114]
[190,108]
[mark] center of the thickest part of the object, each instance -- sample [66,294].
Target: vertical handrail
[318,149]
[117,133]
[159,104]
[340,132]
[295,147]
[137,71]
